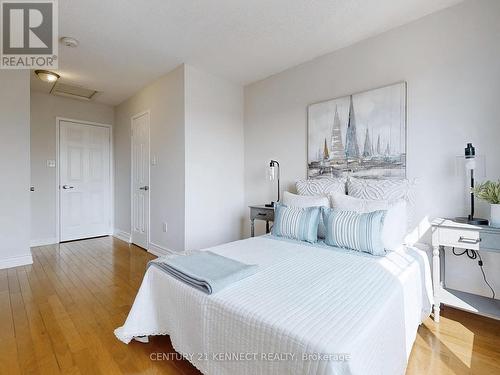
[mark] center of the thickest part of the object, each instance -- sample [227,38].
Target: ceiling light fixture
[46,76]
[70,42]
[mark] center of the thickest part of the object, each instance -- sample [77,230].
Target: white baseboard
[160,250]
[16,261]
[43,242]
[121,235]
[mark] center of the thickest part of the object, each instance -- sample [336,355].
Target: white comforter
[308,310]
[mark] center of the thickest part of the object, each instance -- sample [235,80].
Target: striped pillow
[298,223]
[353,230]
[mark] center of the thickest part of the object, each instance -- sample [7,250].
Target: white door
[84,180]
[140,180]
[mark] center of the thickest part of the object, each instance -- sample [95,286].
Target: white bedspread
[359,312]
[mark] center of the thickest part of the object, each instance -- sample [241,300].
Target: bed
[310,309]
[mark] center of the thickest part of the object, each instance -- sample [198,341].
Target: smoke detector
[70,42]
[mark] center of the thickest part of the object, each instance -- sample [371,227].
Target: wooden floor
[57,316]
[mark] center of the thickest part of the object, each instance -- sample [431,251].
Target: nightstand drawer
[262,214]
[465,239]
[490,241]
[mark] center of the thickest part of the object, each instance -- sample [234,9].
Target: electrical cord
[470,253]
[473,254]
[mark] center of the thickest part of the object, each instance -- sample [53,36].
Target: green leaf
[488,191]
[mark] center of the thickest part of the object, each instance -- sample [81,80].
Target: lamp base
[473,221]
[269,204]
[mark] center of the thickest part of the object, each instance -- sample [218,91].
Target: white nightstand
[448,233]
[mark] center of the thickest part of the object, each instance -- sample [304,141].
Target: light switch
[51,163]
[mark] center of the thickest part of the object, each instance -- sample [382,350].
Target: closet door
[84,181]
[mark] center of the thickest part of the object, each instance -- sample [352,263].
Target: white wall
[165,99]
[44,110]
[197,139]
[214,160]
[450,60]
[14,168]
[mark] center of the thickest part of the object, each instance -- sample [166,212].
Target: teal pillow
[353,230]
[297,223]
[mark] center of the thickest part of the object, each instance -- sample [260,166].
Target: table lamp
[274,174]
[470,165]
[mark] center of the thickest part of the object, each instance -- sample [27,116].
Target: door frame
[111,173]
[148,232]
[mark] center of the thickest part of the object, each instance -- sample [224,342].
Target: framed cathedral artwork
[361,135]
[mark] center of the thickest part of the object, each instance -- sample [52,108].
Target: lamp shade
[470,157]
[470,164]
[272,173]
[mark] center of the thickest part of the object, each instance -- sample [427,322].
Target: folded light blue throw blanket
[204,270]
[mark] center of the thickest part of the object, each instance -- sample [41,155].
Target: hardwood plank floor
[57,316]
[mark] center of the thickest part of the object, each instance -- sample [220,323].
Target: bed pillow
[297,223]
[321,186]
[348,203]
[395,223]
[381,189]
[353,230]
[389,189]
[294,200]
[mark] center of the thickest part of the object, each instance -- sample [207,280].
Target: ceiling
[126,44]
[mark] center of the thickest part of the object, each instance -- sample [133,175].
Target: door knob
[146,188]
[65,187]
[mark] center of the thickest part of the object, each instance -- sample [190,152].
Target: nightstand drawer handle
[261,214]
[472,241]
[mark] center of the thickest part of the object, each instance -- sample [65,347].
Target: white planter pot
[495,215]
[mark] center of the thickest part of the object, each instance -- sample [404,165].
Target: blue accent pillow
[297,223]
[353,230]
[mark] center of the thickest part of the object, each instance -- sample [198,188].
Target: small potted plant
[489,191]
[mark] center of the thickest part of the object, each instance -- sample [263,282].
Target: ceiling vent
[72,91]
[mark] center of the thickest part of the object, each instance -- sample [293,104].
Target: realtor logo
[29,34]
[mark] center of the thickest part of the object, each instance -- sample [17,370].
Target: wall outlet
[165,227]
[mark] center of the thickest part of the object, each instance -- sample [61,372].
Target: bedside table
[261,213]
[449,233]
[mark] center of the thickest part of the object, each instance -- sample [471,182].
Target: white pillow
[395,223]
[388,189]
[321,186]
[294,200]
[375,189]
[302,201]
